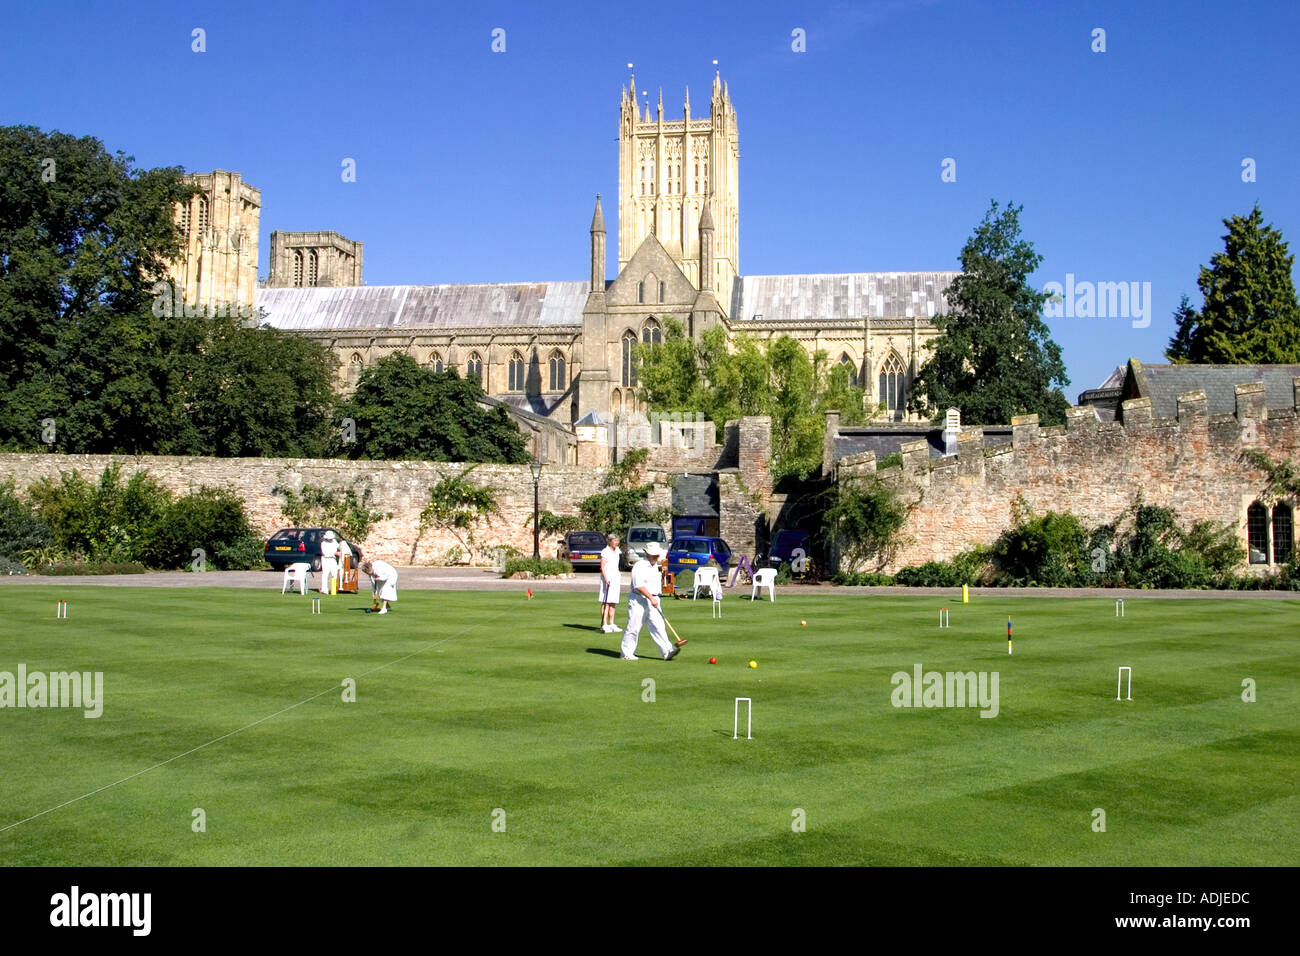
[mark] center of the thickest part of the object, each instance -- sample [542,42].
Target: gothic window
[516,370]
[474,367]
[356,358]
[852,367]
[652,334]
[313,268]
[203,215]
[892,381]
[1257,533]
[185,219]
[297,268]
[435,362]
[557,372]
[640,292]
[629,360]
[1281,534]
[661,292]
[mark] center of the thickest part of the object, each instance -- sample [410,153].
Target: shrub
[106,521]
[865,517]
[540,567]
[212,519]
[1047,550]
[21,530]
[345,509]
[863,579]
[10,566]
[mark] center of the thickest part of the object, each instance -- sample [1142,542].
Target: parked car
[790,546]
[638,536]
[302,545]
[582,549]
[687,554]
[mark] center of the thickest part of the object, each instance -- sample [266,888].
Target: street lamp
[535,466]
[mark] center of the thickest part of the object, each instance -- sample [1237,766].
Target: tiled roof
[425,306]
[1164,383]
[849,295]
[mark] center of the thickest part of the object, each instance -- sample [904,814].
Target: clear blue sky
[474,166]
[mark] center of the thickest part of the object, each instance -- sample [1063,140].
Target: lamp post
[535,466]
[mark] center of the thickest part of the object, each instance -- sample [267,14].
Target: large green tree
[83,238]
[1250,312]
[724,379]
[88,363]
[994,357]
[402,410]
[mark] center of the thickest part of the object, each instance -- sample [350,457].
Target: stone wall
[399,487]
[1192,463]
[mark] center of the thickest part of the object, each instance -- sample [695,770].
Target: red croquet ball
[713,660]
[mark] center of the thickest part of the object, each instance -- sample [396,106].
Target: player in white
[383,582]
[609,585]
[329,561]
[643,606]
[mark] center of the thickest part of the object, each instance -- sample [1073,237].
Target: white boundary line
[260,720]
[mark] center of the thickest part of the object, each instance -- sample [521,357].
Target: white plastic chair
[706,578]
[764,578]
[296,574]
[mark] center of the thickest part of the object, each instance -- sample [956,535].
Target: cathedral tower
[218,268]
[669,172]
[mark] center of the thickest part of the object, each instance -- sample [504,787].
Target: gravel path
[483,579]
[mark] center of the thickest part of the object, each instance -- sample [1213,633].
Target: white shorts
[609,590]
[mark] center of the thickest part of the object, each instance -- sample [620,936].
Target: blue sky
[475,166]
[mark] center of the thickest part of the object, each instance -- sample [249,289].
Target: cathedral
[563,350]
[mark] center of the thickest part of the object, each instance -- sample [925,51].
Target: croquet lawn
[488,728]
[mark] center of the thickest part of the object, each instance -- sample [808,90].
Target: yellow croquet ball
[753,663]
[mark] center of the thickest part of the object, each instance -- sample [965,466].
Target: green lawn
[470,702]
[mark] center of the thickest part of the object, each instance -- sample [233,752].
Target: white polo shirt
[645,575]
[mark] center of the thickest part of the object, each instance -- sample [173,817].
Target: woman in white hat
[329,561]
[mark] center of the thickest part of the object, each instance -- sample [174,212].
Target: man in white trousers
[643,606]
[329,561]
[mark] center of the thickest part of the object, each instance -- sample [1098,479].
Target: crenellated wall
[1192,463]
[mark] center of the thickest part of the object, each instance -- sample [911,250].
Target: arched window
[297,268]
[661,291]
[435,362]
[203,215]
[629,361]
[1257,533]
[852,367]
[185,219]
[356,358]
[892,382]
[1282,543]
[640,292]
[558,379]
[474,367]
[651,334]
[313,268]
[516,372]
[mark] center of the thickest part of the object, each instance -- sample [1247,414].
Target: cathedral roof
[483,305]
[846,295]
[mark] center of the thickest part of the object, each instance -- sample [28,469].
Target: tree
[624,502]
[865,517]
[343,508]
[83,238]
[994,358]
[456,504]
[1250,312]
[405,411]
[725,379]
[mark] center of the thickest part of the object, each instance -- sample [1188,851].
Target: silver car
[637,537]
